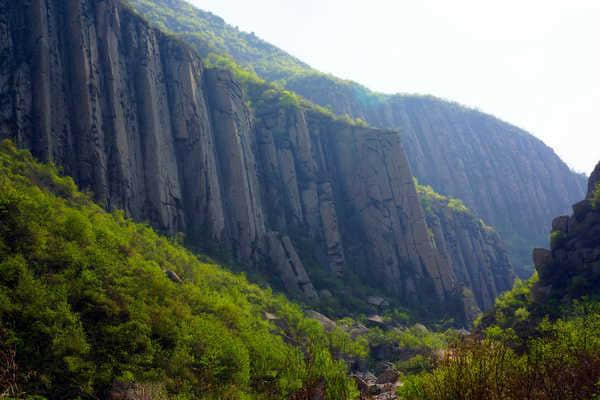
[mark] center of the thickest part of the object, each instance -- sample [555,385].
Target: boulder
[172,275]
[361,384]
[463,332]
[541,258]
[420,328]
[357,330]
[327,323]
[122,391]
[376,321]
[385,351]
[389,375]
[374,389]
[271,317]
[377,301]
[561,224]
[135,391]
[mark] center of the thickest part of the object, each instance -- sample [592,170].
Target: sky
[533,63]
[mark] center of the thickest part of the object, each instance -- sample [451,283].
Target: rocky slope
[571,268]
[505,175]
[134,116]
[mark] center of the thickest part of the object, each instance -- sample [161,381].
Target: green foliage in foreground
[524,350]
[85,302]
[561,362]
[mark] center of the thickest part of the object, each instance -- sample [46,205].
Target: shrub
[562,362]
[85,302]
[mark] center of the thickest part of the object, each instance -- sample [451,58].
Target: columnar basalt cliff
[474,250]
[508,177]
[135,117]
[505,175]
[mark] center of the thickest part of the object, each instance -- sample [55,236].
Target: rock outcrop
[593,182]
[571,268]
[135,117]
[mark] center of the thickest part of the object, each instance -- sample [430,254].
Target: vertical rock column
[195,146]
[234,143]
[84,87]
[40,81]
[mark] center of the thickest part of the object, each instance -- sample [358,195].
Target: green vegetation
[596,198]
[512,305]
[409,347]
[561,362]
[417,346]
[250,59]
[429,197]
[85,302]
[525,348]
[210,34]
[267,96]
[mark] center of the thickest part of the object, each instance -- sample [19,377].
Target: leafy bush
[85,302]
[563,362]
[511,308]
[430,198]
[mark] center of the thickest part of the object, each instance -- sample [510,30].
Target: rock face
[503,174]
[134,116]
[593,182]
[474,250]
[571,268]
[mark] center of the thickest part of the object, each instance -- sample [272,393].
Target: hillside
[111,304]
[505,175]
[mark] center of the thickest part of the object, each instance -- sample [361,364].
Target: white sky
[533,63]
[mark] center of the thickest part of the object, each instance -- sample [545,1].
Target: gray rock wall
[505,175]
[475,251]
[571,268]
[134,116]
[593,182]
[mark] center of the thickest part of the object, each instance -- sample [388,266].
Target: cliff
[135,117]
[473,249]
[502,173]
[505,175]
[571,268]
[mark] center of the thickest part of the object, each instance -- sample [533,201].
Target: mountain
[540,340]
[250,173]
[93,305]
[505,175]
